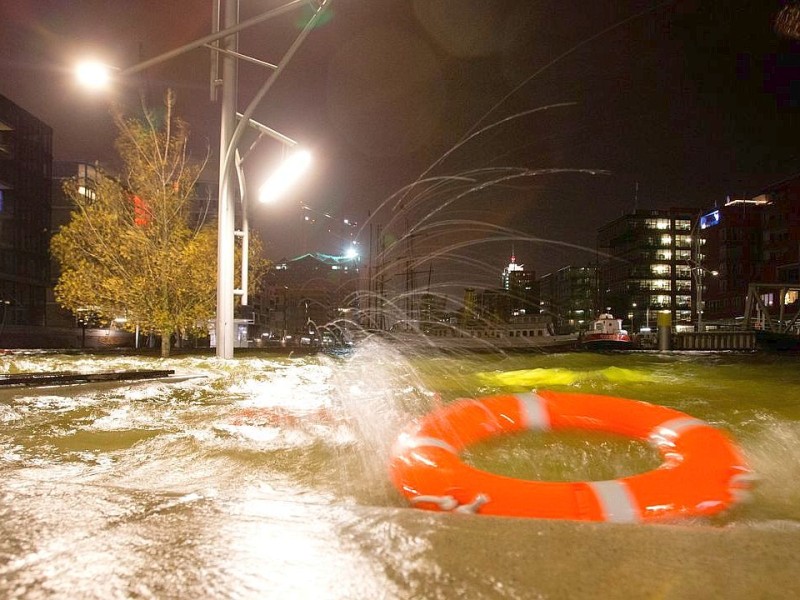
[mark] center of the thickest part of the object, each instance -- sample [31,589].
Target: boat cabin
[606,323]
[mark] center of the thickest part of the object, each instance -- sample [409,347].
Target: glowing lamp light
[93,74]
[351,253]
[285,176]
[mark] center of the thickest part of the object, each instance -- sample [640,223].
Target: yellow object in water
[537,377]
[620,375]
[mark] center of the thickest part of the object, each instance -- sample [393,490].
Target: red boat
[606,333]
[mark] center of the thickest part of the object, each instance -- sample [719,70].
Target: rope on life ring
[703,473]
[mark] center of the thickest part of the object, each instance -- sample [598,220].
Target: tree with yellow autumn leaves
[132,247]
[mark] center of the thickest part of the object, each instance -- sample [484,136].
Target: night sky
[642,103]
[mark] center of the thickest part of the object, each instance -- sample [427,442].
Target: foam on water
[283,461]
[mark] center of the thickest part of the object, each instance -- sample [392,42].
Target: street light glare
[285,176]
[93,74]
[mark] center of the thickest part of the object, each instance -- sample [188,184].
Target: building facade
[780,227]
[646,265]
[570,297]
[304,297]
[60,214]
[26,160]
[732,247]
[750,241]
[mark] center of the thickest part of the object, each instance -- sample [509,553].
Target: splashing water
[194,486]
[264,477]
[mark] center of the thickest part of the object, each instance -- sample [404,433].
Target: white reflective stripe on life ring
[616,500]
[532,407]
[420,442]
[667,431]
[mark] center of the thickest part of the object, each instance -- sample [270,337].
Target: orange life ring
[703,473]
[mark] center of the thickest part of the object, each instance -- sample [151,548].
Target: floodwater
[265,477]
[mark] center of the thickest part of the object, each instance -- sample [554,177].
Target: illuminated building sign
[709,219]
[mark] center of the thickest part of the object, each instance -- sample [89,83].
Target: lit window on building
[660,284]
[660,269]
[657,223]
[666,240]
[87,192]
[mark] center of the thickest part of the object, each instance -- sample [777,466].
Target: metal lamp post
[698,272]
[695,264]
[224,328]
[699,279]
[225,43]
[701,271]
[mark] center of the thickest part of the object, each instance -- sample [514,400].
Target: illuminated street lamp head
[286,175]
[351,253]
[93,74]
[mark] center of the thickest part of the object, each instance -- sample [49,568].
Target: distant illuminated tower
[520,288]
[512,267]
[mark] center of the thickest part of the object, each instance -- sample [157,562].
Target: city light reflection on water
[265,477]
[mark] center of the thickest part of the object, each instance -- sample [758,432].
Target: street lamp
[286,175]
[225,43]
[697,269]
[93,74]
[351,253]
[700,273]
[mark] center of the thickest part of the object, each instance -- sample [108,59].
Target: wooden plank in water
[71,377]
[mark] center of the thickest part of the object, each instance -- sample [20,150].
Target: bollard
[664,322]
